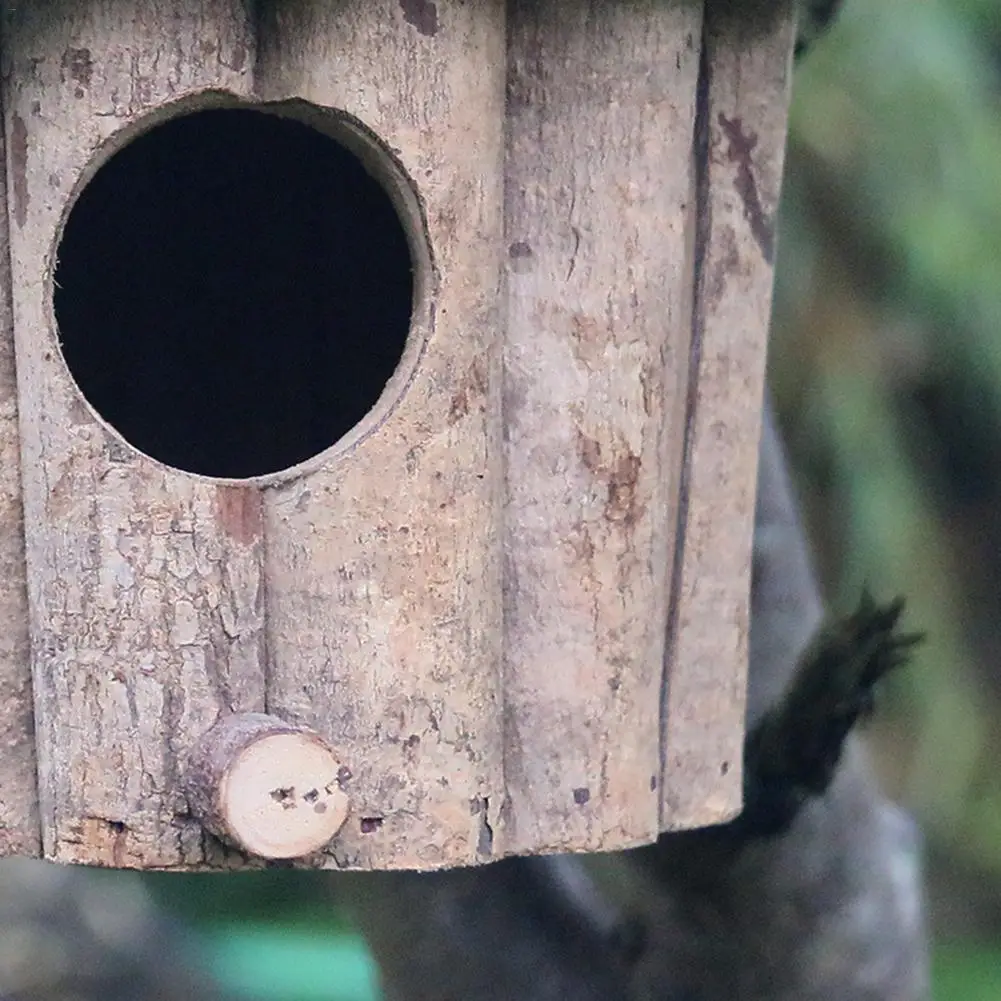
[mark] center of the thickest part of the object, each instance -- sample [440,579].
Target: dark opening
[233,291]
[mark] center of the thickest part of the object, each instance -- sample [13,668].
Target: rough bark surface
[144,583]
[601,101]
[738,150]
[383,564]
[471,596]
[20,829]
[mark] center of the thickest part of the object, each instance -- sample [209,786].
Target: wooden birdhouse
[381,386]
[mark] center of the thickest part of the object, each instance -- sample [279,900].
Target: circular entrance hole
[233,291]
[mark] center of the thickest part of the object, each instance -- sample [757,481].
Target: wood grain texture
[383,564]
[144,583]
[739,147]
[601,108]
[266,786]
[514,599]
[20,828]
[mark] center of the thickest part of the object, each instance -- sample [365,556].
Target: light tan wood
[383,564]
[477,599]
[20,829]
[145,587]
[738,159]
[269,788]
[601,110]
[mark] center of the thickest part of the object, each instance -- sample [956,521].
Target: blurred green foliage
[968,972]
[270,962]
[272,935]
[886,368]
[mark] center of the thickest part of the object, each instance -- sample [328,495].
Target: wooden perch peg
[267,786]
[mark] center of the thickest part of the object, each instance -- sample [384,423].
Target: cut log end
[266,786]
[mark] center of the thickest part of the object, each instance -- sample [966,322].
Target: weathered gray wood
[478,598]
[601,108]
[20,829]
[383,563]
[144,583]
[739,167]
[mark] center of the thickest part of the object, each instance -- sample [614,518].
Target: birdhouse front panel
[384,380]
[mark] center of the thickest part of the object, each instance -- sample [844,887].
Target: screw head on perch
[266,786]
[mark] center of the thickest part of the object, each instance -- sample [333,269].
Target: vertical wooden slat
[20,830]
[383,564]
[739,151]
[144,583]
[601,102]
